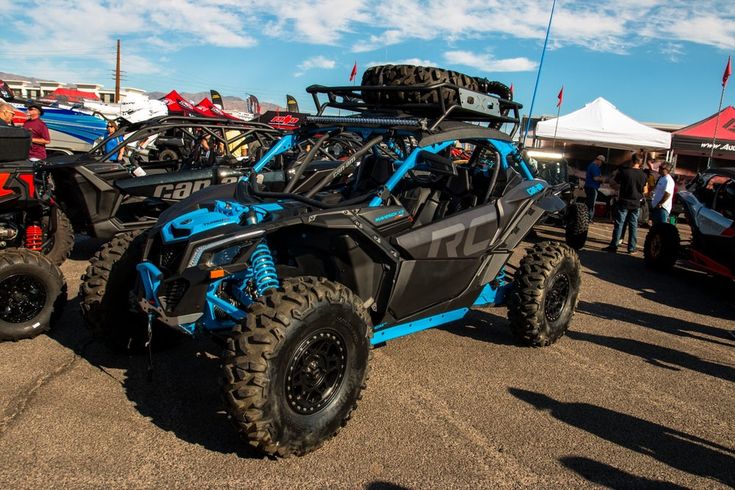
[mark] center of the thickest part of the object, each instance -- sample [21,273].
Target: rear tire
[577,224]
[544,294]
[61,242]
[295,368]
[32,294]
[661,248]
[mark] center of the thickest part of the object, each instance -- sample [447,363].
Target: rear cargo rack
[472,107]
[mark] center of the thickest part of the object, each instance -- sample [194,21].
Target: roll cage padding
[463,131]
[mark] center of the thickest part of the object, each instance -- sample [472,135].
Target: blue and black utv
[396,238]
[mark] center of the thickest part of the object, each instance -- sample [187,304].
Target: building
[24,89]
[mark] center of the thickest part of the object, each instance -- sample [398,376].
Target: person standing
[39,133]
[630,181]
[6,114]
[663,195]
[592,183]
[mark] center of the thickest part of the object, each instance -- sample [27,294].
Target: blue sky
[656,60]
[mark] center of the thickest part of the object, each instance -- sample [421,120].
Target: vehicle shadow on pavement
[483,326]
[183,395]
[383,485]
[673,326]
[609,476]
[681,288]
[85,247]
[679,450]
[658,355]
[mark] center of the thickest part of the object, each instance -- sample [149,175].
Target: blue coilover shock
[264,268]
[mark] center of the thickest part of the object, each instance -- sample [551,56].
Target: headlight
[235,241]
[225,256]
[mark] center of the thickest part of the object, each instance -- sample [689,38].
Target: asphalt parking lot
[640,393]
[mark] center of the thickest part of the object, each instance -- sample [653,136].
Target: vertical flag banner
[511,90]
[728,72]
[725,76]
[291,103]
[353,73]
[217,99]
[560,96]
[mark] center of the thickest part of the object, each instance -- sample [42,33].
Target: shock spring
[264,268]
[34,238]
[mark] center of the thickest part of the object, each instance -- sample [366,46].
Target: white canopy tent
[599,123]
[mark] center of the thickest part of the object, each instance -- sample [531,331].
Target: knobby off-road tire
[106,301]
[32,294]
[403,75]
[544,294]
[661,248]
[577,224]
[295,368]
[61,243]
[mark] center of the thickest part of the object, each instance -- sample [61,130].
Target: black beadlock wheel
[544,294]
[32,294]
[661,248]
[577,225]
[107,300]
[295,368]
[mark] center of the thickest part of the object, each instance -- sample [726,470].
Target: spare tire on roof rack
[407,75]
[404,75]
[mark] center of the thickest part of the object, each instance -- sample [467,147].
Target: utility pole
[117,74]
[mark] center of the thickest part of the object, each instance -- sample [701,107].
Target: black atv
[103,197]
[709,207]
[396,239]
[32,237]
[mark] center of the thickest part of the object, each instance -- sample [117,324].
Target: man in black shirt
[630,181]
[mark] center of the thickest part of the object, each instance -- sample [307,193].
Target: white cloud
[407,61]
[315,62]
[313,21]
[84,31]
[486,62]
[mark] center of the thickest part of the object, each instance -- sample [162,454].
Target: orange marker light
[217,274]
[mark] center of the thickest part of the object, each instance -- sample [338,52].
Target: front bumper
[157,299]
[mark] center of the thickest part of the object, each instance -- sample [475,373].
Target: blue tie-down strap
[150,277]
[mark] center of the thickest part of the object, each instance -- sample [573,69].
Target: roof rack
[472,106]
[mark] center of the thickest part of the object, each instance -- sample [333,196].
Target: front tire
[295,368]
[661,248]
[32,294]
[544,294]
